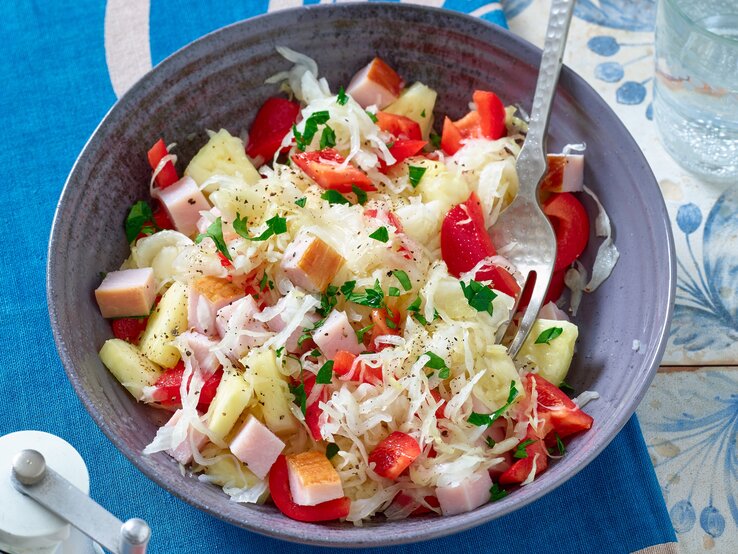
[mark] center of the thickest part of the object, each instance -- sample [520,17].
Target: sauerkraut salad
[321,310]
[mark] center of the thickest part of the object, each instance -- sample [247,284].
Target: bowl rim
[362,536]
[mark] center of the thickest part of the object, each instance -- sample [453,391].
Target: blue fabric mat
[56,89]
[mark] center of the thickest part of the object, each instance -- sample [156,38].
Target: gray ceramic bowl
[218,81]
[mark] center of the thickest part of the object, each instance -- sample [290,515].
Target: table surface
[689,417]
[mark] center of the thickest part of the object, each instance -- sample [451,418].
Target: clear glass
[696,85]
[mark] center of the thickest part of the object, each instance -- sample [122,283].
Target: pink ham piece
[552,311]
[200,346]
[565,173]
[183,451]
[336,334]
[183,202]
[377,84]
[127,293]
[280,321]
[206,296]
[239,316]
[471,493]
[313,479]
[256,446]
[310,263]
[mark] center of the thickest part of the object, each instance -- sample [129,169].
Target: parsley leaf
[361,196]
[496,493]
[416,174]
[422,114]
[215,232]
[393,291]
[372,297]
[348,287]
[327,138]
[520,452]
[265,283]
[334,197]
[275,226]
[403,278]
[332,448]
[361,332]
[490,442]
[488,419]
[279,351]
[548,335]
[381,234]
[479,296]
[299,140]
[328,300]
[372,116]
[300,398]
[325,373]
[140,219]
[567,388]
[436,362]
[341,98]
[414,309]
[435,140]
[391,324]
[301,201]
[304,139]
[559,445]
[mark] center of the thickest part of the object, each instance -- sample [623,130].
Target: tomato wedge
[279,488]
[491,114]
[394,454]
[399,126]
[168,174]
[383,325]
[272,122]
[168,385]
[450,137]
[324,167]
[465,242]
[343,361]
[402,150]
[566,417]
[571,225]
[129,329]
[555,288]
[522,468]
[403,499]
[442,408]
[161,218]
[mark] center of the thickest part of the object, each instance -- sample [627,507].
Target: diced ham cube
[239,316]
[313,479]
[377,84]
[183,202]
[257,447]
[310,263]
[127,293]
[200,346]
[280,321]
[183,451]
[471,493]
[207,295]
[336,334]
[565,173]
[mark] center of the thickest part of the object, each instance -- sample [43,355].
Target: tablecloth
[58,81]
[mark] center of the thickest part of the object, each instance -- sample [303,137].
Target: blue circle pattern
[683,516]
[630,92]
[689,218]
[604,45]
[628,15]
[610,72]
[712,522]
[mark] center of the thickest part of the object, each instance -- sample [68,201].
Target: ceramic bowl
[218,81]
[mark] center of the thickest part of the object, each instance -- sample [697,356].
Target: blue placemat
[56,88]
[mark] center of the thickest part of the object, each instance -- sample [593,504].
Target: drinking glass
[696,85]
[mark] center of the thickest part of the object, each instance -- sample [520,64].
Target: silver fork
[522,227]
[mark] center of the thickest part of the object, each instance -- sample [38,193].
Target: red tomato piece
[279,488]
[555,288]
[437,397]
[382,326]
[272,122]
[161,218]
[323,167]
[403,499]
[168,174]
[521,469]
[571,225]
[225,262]
[402,150]
[168,385]
[491,114]
[313,410]
[450,137]
[129,329]
[394,454]
[399,126]
[343,361]
[566,417]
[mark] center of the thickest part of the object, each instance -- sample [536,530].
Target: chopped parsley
[140,219]
[361,332]
[393,291]
[422,114]
[301,201]
[328,300]
[488,419]
[315,352]
[215,232]
[372,297]
[275,226]
[307,330]
[480,297]
[391,324]
[348,287]
[299,392]
[567,388]
[436,362]
[279,351]
[325,374]
[403,278]
[327,138]
[341,98]
[520,452]
[414,309]
[416,174]
[496,493]
[435,139]
[361,196]
[381,234]
[334,197]
[310,129]
[548,335]
[332,448]
[265,283]
[490,442]
[372,116]
[559,445]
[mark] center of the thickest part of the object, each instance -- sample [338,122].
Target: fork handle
[553,52]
